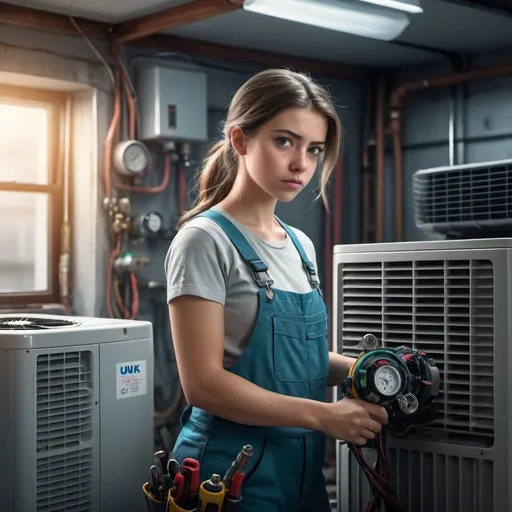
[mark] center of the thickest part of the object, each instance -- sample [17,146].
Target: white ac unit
[452,299]
[76,413]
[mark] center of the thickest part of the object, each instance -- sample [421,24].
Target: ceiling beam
[60,24]
[244,56]
[43,20]
[173,17]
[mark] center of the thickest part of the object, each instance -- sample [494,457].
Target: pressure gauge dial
[153,222]
[131,158]
[387,380]
[147,226]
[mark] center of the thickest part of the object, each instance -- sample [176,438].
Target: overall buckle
[258,268]
[311,270]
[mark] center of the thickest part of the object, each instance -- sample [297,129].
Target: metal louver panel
[64,427]
[425,482]
[442,307]
[463,197]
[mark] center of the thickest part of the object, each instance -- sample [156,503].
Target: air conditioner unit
[465,201]
[76,413]
[452,299]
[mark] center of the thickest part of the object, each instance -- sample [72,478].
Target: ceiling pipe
[396,104]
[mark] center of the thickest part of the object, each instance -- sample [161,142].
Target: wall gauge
[147,226]
[131,158]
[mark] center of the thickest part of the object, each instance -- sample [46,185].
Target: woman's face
[281,158]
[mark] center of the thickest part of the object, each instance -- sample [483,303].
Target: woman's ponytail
[216,179]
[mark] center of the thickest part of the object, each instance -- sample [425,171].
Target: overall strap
[245,249]
[306,263]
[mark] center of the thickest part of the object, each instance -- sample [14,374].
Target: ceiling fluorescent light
[361,20]
[410,6]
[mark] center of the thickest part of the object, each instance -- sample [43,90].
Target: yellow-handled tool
[173,507]
[211,494]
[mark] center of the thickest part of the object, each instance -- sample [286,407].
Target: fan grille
[445,308]
[463,198]
[18,323]
[64,431]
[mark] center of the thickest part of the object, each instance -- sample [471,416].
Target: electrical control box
[173,105]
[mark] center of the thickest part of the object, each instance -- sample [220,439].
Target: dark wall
[482,116]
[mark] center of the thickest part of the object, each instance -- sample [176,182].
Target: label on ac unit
[131,379]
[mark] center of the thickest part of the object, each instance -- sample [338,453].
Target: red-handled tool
[191,480]
[179,485]
[233,499]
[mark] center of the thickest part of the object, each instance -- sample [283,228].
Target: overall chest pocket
[301,351]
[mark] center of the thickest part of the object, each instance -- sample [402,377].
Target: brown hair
[256,102]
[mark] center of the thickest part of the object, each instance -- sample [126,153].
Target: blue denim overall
[287,354]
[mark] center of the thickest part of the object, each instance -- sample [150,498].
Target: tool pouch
[172,507]
[153,505]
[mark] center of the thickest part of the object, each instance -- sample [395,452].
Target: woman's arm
[198,334]
[339,367]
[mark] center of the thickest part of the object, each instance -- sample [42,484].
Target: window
[31,195]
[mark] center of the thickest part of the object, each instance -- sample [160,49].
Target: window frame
[55,102]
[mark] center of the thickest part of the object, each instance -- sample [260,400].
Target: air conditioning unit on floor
[76,413]
[452,299]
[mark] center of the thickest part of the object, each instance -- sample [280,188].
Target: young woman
[248,319]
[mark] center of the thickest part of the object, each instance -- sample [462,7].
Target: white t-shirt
[202,261]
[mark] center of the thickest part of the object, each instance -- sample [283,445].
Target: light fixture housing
[409,6]
[342,16]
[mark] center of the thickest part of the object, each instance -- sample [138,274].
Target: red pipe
[338,201]
[182,190]
[151,190]
[380,149]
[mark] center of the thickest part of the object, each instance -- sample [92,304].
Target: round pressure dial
[153,222]
[147,226]
[131,157]
[387,380]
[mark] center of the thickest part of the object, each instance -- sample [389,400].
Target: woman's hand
[354,421]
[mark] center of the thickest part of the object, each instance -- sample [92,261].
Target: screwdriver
[190,488]
[160,459]
[211,494]
[233,499]
[238,465]
[155,482]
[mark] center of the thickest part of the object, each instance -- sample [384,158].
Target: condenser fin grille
[64,483]
[64,431]
[429,482]
[442,307]
[460,197]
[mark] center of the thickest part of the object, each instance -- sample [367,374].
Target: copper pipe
[112,131]
[151,190]
[396,104]
[365,161]
[380,141]
[338,202]
[182,190]
[366,205]
[402,91]
[108,295]
[399,173]
[132,110]
[328,262]
[135,296]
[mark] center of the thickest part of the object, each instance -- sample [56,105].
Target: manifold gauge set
[404,380]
